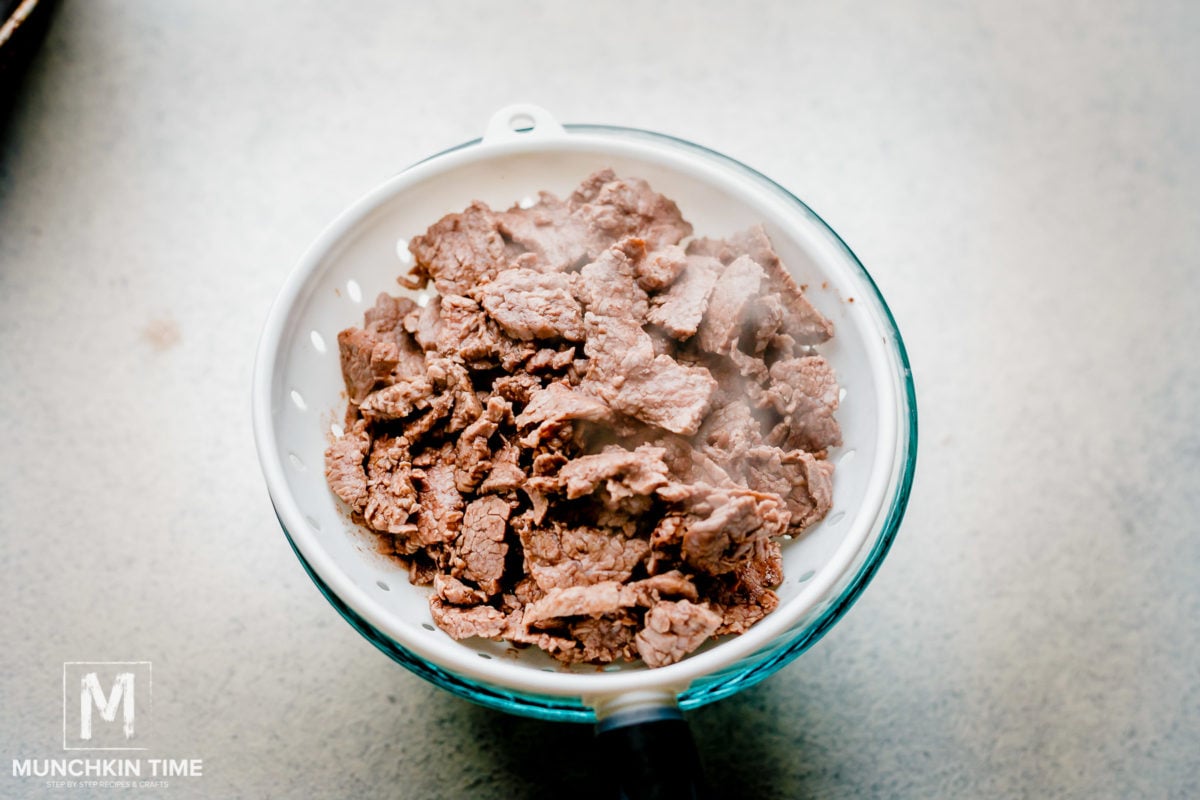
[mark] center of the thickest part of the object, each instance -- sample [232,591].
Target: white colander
[298,400]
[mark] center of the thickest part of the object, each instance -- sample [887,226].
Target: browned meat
[506,474]
[674,628]
[558,556]
[549,408]
[658,270]
[656,389]
[397,400]
[388,313]
[532,305]
[425,325]
[724,529]
[345,466]
[679,310]
[589,440]
[480,551]
[455,592]
[805,483]
[620,472]
[390,493]
[800,319]
[452,379]
[441,505]
[604,639]
[547,360]
[465,622]
[607,288]
[730,432]
[367,359]
[616,208]
[736,291]
[518,387]
[461,251]
[474,449]
[549,230]
[594,599]
[744,596]
[804,392]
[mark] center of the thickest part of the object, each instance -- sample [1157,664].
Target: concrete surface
[1020,177]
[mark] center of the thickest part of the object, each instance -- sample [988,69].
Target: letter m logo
[90,694]
[105,704]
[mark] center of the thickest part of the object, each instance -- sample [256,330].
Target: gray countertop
[1022,180]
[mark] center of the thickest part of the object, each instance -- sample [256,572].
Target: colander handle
[522,121]
[650,755]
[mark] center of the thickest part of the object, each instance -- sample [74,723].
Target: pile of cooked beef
[592,439]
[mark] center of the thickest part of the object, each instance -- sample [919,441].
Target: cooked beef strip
[461,251]
[674,628]
[344,466]
[532,305]
[804,392]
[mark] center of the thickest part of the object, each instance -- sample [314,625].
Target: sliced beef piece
[658,270]
[425,324]
[725,528]
[730,432]
[547,360]
[441,513]
[391,498]
[719,249]
[397,400]
[345,466]
[550,408]
[549,230]
[420,426]
[691,466]
[527,304]
[607,287]
[560,556]
[619,472]
[674,628]
[461,251]
[518,387]
[801,320]
[603,639]
[606,597]
[745,595]
[656,389]
[457,593]
[388,313]
[506,474]
[649,591]
[615,208]
[452,379]
[367,359]
[749,366]
[474,450]
[519,632]
[479,551]
[679,310]
[386,320]
[466,333]
[804,392]
[594,599]
[805,483]
[737,289]
[464,622]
